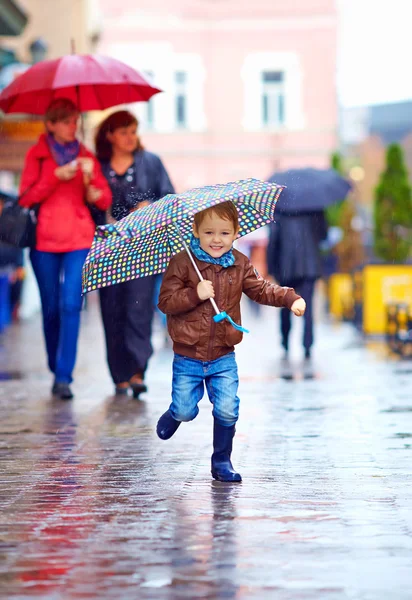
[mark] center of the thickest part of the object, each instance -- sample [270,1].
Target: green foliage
[334,212]
[393,209]
[336,162]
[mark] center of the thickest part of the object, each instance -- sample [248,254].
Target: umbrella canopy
[143,243]
[92,82]
[310,190]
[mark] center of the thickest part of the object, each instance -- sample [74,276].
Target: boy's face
[216,235]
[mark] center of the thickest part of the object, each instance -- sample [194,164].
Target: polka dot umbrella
[143,243]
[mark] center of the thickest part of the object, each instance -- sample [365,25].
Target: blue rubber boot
[222,468]
[167,426]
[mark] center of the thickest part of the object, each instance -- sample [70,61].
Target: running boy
[204,350]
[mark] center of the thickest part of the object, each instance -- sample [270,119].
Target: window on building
[150,114]
[273,98]
[181,98]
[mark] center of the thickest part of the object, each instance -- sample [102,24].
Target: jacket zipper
[216,285]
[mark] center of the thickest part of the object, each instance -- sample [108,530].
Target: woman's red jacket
[64,220]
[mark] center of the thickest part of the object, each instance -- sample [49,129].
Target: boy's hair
[60,109]
[224,210]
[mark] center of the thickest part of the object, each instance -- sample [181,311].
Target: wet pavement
[95,506]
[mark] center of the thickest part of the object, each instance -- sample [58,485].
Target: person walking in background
[294,260]
[64,179]
[136,178]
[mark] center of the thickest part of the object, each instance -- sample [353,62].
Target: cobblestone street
[94,505]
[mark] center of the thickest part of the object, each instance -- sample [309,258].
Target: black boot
[222,468]
[167,426]
[62,391]
[137,389]
[121,389]
[138,385]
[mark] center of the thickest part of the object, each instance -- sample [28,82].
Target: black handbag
[18,223]
[98,216]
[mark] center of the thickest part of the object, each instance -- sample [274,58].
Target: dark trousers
[127,313]
[305,288]
[59,277]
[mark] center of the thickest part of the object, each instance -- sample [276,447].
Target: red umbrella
[92,82]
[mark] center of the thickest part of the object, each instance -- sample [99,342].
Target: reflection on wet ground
[9,375]
[95,506]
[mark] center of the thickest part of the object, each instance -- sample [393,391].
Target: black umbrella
[309,190]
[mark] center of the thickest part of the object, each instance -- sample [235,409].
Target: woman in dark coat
[294,260]
[136,178]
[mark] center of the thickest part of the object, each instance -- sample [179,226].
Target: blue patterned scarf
[226,260]
[63,153]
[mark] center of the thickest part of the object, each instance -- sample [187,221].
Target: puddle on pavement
[402,436]
[398,409]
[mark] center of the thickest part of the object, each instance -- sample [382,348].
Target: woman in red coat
[64,179]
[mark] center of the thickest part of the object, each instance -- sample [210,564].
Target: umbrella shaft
[186,247]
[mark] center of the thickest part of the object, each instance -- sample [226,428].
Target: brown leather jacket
[190,320]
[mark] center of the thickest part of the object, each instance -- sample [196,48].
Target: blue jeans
[59,277]
[222,382]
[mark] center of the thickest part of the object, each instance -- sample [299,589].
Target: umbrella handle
[186,247]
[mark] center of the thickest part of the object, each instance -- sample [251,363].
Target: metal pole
[186,247]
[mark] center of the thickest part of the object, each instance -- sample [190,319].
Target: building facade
[58,22]
[51,26]
[249,88]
